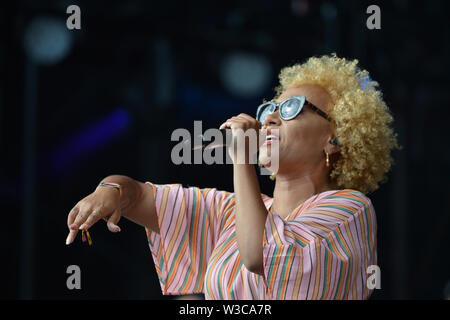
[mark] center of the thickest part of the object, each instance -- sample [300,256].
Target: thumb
[113,220]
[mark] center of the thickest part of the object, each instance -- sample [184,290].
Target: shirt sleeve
[324,253]
[189,221]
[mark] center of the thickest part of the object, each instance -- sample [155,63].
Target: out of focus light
[366,83]
[47,40]
[235,19]
[245,75]
[328,11]
[300,7]
[90,139]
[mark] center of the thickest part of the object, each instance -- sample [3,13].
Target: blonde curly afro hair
[360,119]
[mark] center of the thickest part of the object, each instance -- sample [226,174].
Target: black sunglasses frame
[274,105]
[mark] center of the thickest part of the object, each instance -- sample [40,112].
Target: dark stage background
[76,106]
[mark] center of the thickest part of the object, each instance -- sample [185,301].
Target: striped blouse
[320,251]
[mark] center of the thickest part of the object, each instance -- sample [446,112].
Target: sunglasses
[289,109]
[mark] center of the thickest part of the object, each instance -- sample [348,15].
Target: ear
[332,148]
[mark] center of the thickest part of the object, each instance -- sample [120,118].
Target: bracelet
[112,185]
[83,237]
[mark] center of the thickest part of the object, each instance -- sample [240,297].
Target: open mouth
[271,138]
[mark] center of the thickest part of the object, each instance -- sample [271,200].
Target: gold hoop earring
[327,160]
[272,176]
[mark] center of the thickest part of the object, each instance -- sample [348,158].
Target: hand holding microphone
[245,132]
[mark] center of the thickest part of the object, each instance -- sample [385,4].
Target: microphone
[206,145]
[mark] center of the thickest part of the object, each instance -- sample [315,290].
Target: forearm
[251,215]
[137,202]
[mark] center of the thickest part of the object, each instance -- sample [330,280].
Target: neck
[291,190]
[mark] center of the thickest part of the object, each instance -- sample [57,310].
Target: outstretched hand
[103,203]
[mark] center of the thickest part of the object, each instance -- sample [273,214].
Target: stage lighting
[47,40]
[300,7]
[90,139]
[245,75]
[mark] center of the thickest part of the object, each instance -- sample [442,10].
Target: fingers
[113,220]
[226,124]
[76,217]
[81,217]
[235,123]
[72,215]
[72,235]
[243,121]
[90,210]
[246,116]
[254,123]
[90,220]
[93,217]
[70,220]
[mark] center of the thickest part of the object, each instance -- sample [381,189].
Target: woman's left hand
[243,126]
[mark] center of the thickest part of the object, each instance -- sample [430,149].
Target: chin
[263,160]
[264,155]
[266,159]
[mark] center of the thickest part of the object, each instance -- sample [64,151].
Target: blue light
[47,40]
[366,83]
[90,139]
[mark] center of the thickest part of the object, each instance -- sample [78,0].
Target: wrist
[111,185]
[243,166]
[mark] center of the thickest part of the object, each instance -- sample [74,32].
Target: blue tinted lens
[291,108]
[263,112]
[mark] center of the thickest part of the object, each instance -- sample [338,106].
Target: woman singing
[314,239]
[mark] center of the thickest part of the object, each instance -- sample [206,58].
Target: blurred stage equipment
[46,42]
[329,14]
[164,73]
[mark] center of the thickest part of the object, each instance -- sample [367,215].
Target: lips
[272,136]
[274,132]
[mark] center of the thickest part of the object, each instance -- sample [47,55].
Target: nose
[272,119]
